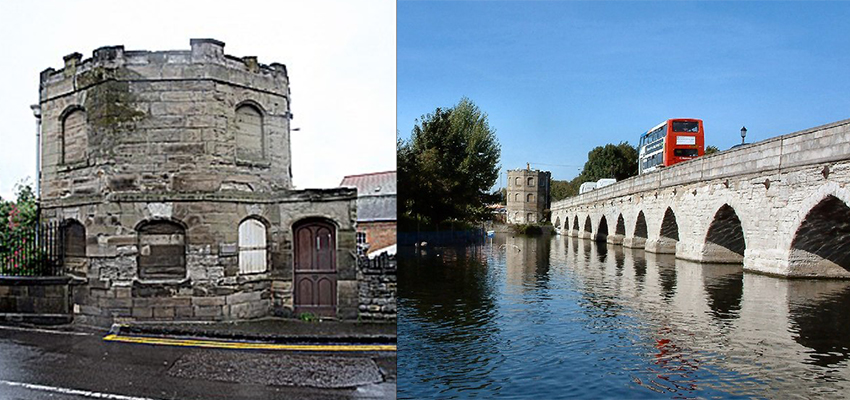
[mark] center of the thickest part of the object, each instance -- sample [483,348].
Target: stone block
[208,301]
[142,312]
[163,312]
[208,311]
[244,297]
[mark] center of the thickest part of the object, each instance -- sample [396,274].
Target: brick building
[376,208]
[170,172]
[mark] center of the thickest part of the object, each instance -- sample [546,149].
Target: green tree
[608,161]
[17,215]
[711,150]
[560,190]
[447,166]
[611,161]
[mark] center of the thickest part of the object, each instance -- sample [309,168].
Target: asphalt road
[37,364]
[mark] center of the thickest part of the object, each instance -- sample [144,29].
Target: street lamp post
[743,133]
[36,111]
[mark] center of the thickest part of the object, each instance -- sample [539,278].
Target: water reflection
[564,317]
[819,318]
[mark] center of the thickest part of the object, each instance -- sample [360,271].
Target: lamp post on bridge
[743,133]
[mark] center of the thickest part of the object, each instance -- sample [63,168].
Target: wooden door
[315,269]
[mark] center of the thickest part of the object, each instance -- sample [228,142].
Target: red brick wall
[378,234]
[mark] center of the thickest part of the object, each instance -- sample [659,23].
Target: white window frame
[253,247]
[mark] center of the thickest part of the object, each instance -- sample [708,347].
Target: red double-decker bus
[670,142]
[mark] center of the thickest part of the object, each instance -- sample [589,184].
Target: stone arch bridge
[779,206]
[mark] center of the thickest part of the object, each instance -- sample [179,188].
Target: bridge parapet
[761,204]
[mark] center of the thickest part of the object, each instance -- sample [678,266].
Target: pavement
[271,330]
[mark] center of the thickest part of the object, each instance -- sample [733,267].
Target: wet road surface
[36,364]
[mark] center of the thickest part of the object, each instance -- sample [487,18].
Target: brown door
[315,269]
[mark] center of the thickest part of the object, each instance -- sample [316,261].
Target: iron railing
[33,251]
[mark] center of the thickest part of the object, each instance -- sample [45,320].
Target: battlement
[527,172]
[204,60]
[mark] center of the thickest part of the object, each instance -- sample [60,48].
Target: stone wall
[520,209]
[378,287]
[777,206]
[35,299]
[162,156]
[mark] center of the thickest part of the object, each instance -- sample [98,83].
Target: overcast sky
[340,56]
[560,78]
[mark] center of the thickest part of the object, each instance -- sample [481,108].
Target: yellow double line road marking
[215,344]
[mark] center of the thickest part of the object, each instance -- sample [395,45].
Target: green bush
[527,229]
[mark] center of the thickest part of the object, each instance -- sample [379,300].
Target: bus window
[685,126]
[685,152]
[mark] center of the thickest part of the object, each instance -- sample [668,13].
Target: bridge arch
[820,245]
[621,226]
[668,235]
[602,230]
[724,241]
[575,225]
[640,226]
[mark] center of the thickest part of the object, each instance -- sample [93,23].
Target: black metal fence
[34,251]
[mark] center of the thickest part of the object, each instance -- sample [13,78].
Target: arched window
[74,239]
[517,181]
[516,197]
[250,143]
[252,247]
[529,198]
[162,250]
[530,181]
[530,218]
[74,140]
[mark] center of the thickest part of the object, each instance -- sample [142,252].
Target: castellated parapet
[171,174]
[527,195]
[165,121]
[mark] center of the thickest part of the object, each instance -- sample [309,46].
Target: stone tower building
[528,195]
[171,174]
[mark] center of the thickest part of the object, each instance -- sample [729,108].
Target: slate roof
[376,195]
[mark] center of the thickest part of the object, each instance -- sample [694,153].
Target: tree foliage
[447,167]
[611,161]
[19,214]
[711,150]
[608,161]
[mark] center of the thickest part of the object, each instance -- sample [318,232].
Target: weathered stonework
[779,206]
[378,287]
[527,195]
[183,146]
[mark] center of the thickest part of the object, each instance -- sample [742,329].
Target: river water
[559,317]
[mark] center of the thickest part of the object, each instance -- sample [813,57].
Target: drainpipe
[36,110]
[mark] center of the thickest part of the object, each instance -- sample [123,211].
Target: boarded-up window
[252,247]
[74,239]
[162,250]
[529,198]
[249,133]
[74,137]
[516,197]
[530,181]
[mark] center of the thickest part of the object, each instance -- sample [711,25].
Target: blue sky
[340,56]
[560,78]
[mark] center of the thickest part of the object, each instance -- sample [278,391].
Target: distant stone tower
[171,174]
[528,195]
